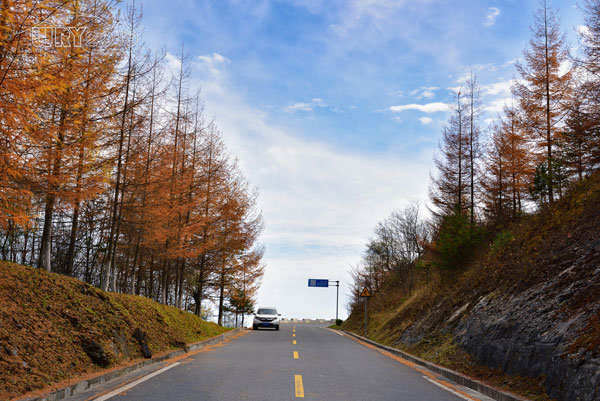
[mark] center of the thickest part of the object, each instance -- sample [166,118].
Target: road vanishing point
[304,361]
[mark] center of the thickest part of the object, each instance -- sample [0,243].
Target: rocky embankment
[547,330]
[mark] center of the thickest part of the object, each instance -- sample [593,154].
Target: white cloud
[425,108]
[425,120]
[497,88]
[317,200]
[490,18]
[374,13]
[214,63]
[564,67]
[583,30]
[496,106]
[300,106]
[306,106]
[424,92]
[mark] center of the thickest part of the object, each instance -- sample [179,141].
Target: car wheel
[277,327]
[254,327]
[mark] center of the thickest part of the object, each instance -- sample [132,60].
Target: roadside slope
[527,311]
[48,322]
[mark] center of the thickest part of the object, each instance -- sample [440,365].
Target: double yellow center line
[298,386]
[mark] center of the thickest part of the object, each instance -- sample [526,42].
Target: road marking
[296,355]
[293,335]
[185,358]
[413,365]
[294,342]
[298,386]
[135,383]
[448,389]
[336,332]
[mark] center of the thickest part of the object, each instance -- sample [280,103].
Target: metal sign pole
[366,300]
[365,294]
[312,282]
[337,296]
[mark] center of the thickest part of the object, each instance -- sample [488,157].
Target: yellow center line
[299,387]
[296,355]
[294,342]
[293,335]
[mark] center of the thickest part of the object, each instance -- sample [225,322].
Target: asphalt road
[303,361]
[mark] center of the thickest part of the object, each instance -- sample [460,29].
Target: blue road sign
[313,282]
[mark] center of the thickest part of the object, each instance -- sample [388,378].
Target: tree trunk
[70,259]
[221,295]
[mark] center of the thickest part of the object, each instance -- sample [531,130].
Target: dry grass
[47,318]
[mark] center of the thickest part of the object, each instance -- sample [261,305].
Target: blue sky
[334,109]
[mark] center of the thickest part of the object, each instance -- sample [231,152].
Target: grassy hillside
[557,249]
[46,319]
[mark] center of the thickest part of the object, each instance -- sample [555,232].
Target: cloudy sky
[334,109]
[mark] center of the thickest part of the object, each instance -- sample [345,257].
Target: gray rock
[96,353]
[12,351]
[142,340]
[119,344]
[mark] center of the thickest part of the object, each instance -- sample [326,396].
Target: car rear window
[263,311]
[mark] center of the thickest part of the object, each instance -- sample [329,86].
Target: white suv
[266,317]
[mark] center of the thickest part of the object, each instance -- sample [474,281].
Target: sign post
[314,282]
[365,294]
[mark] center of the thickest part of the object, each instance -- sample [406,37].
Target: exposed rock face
[534,332]
[119,344]
[142,339]
[96,353]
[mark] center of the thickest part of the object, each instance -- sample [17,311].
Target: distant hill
[524,315]
[53,326]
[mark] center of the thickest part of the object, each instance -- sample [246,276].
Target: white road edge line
[135,383]
[448,389]
[336,332]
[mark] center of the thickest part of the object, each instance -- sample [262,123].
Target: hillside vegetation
[527,304]
[47,320]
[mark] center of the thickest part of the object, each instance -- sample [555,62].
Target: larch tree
[63,109]
[579,139]
[544,88]
[138,64]
[585,112]
[449,186]
[518,157]
[18,83]
[496,185]
[474,110]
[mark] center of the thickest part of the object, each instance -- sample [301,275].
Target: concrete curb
[456,377]
[84,385]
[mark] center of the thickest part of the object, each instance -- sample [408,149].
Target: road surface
[302,361]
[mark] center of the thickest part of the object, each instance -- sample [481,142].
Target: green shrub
[456,242]
[501,240]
